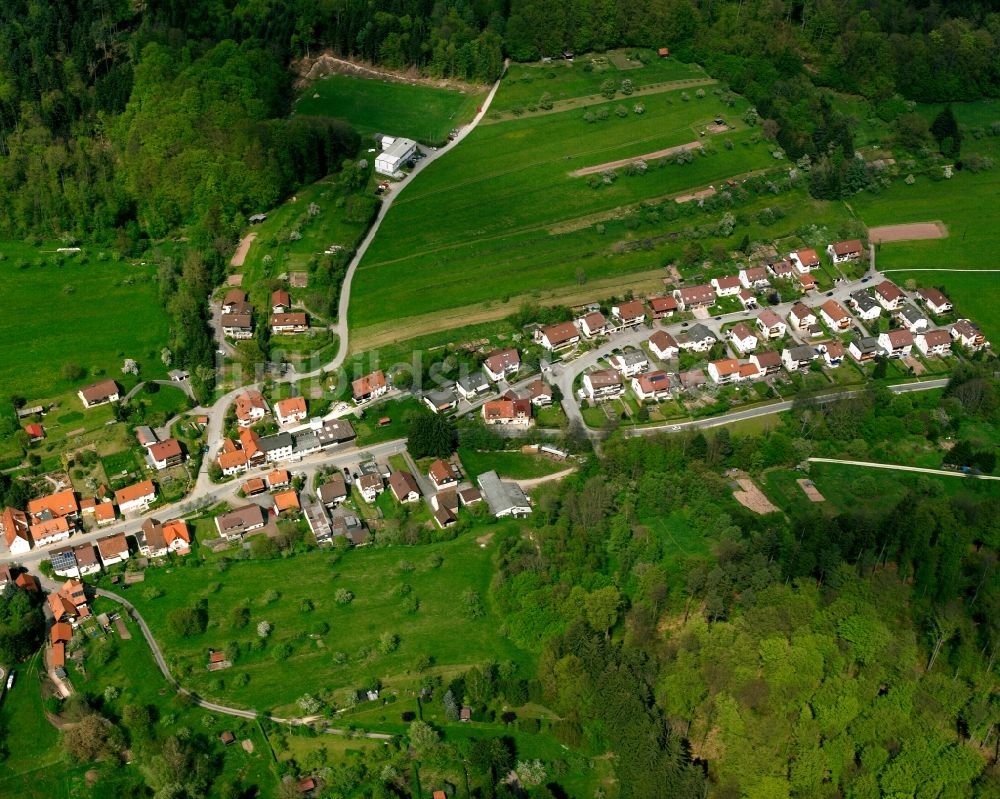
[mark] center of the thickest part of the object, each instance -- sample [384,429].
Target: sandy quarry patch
[749,496]
[810,490]
[914,231]
[243,249]
[591,170]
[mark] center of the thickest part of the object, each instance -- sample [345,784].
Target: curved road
[203,703]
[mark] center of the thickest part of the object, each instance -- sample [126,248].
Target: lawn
[384,583]
[524,84]
[80,310]
[514,465]
[975,295]
[399,413]
[424,113]
[503,207]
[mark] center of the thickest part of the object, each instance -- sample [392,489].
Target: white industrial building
[395,153]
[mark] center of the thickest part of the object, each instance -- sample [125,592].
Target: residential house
[504,498]
[69,602]
[663,345]
[62,503]
[233,461]
[105,513]
[804,260]
[237,325]
[332,432]
[692,379]
[754,277]
[889,295]
[934,342]
[113,549]
[287,501]
[279,478]
[603,384]
[806,282]
[500,364]
[48,531]
[782,269]
[469,496]
[910,318]
[251,407]
[629,314]
[87,560]
[663,307]
[403,486]
[27,582]
[696,338]
[16,529]
[370,486]
[747,299]
[318,521]
[743,337]
[334,490]
[770,324]
[135,497]
[728,286]
[164,454]
[63,563]
[289,323]
[767,362]
[473,385]
[896,343]
[441,400]
[833,352]
[864,305]
[35,432]
[968,334]
[801,317]
[841,251]
[750,371]
[278,447]
[99,393]
[254,486]
[145,436]
[290,411]
[726,370]
[692,297]
[152,540]
[370,387]
[835,315]
[864,349]
[800,357]
[507,412]
[555,337]
[652,386]
[592,324]
[234,300]
[629,363]
[935,301]
[281,301]
[240,521]
[444,473]
[540,393]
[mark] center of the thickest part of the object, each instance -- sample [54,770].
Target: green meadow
[318,645]
[514,465]
[490,219]
[78,310]
[424,113]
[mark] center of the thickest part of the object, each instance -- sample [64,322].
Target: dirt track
[241,251]
[590,170]
[915,231]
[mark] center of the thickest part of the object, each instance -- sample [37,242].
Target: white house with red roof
[804,260]
[251,407]
[743,338]
[728,286]
[841,251]
[663,345]
[651,386]
[934,343]
[770,324]
[290,411]
[726,370]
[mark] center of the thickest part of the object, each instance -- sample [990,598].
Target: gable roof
[14,524]
[165,450]
[728,282]
[287,407]
[249,401]
[835,310]
[403,484]
[899,338]
[848,247]
[368,384]
[560,333]
[631,309]
[174,530]
[663,341]
[769,318]
[98,391]
[726,367]
[501,360]
[767,359]
[936,338]
[889,291]
[659,304]
[105,512]
[801,311]
[807,256]
[60,504]
[742,331]
[113,545]
[134,492]
[286,500]
[153,532]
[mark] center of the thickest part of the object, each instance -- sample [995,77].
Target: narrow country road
[899,468]
[527,485]
[203,703]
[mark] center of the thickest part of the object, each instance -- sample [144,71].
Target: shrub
[343,597]
[621,111]
[187,622]
[626,87]
[264,629]
[638,108]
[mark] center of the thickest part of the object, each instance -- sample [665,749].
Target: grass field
[311,664]
[525,84]
[503,207]
[424,113]
[515,465]
[71,311]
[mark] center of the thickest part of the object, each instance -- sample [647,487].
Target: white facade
[395,153]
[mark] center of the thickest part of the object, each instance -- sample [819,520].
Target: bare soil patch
[695,195]
[242,250]
[750,496]
[810,490]
[235,280]
[914,231]
[247,745]
[312,69]
[122,629]
[591,170]
[298,280]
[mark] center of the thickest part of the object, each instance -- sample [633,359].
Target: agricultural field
[424,113]
[505,208]
[331,646]
[525,84]
[78,310]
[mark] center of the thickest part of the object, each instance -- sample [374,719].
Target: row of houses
[153,540]
[250,449]
[237,315]
[54,518]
